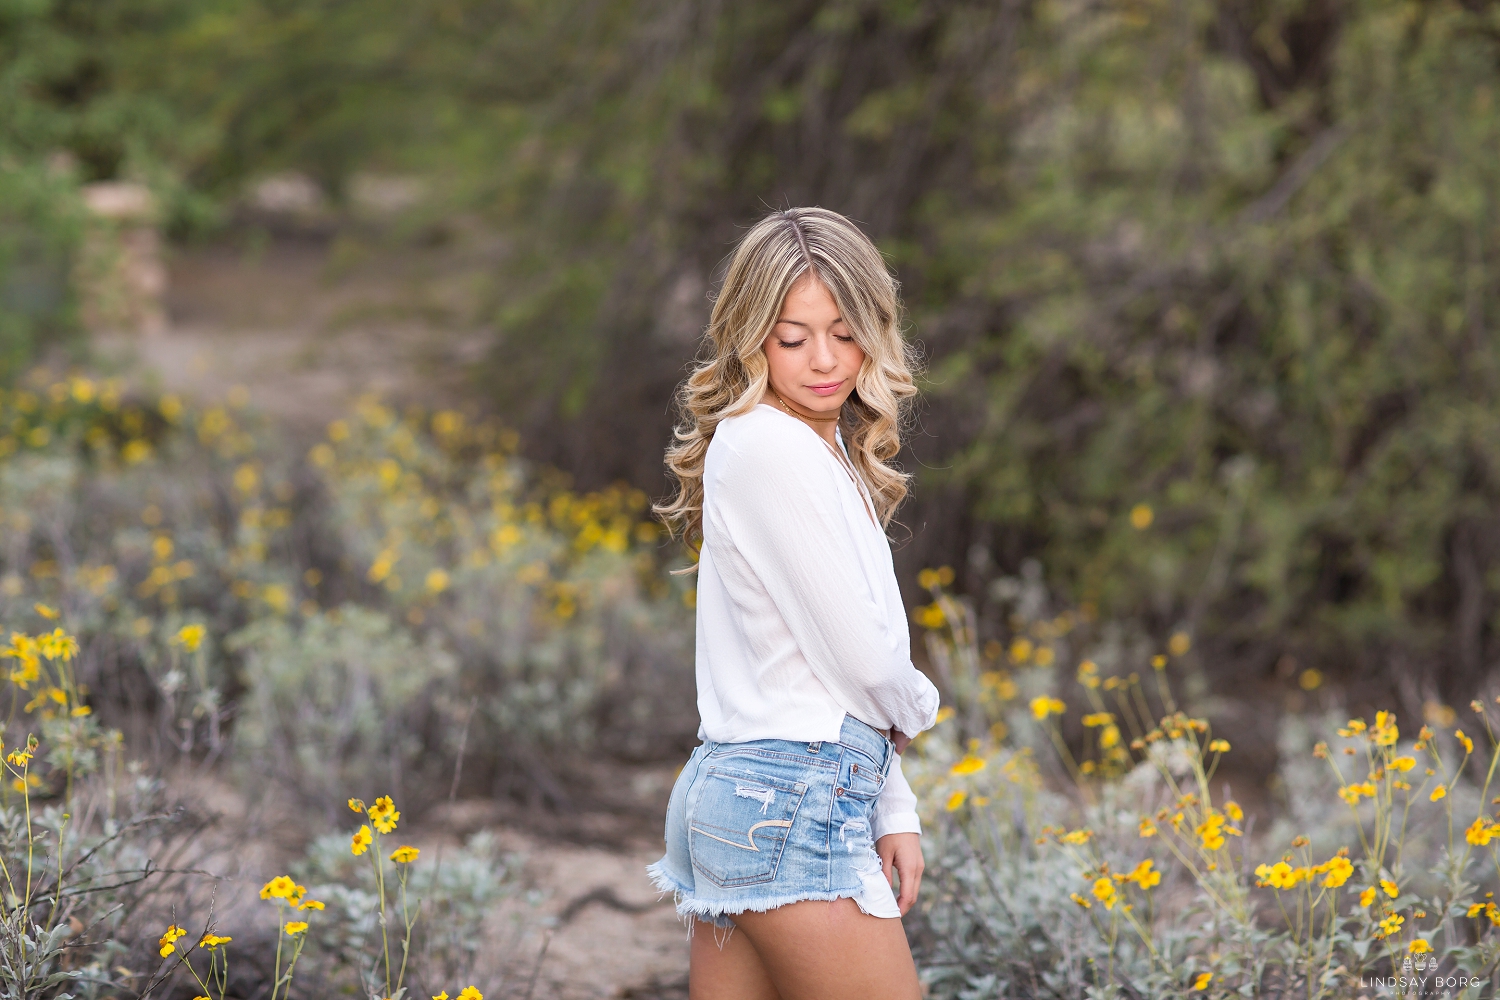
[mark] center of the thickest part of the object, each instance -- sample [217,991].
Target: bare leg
[725,966]
[817,950]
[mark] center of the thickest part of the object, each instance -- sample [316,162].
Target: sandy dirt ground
[304,334]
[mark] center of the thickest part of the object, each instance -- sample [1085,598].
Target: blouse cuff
[896,822]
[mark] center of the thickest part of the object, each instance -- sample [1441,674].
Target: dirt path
[607,935]
[304,334]
[304,331]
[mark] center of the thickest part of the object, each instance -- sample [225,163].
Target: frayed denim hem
[719,913]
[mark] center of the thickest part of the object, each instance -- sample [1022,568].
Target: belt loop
[815,747]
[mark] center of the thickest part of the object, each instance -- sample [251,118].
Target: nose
[822,359]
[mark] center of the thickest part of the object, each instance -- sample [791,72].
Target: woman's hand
[902,852]
[901,740]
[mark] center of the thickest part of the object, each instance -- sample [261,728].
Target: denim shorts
[753,826]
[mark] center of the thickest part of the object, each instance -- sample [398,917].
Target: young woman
[787,822]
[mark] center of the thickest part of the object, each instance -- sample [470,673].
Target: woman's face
[811,353]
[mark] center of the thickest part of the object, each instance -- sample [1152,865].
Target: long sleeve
[778,509]
[896,809]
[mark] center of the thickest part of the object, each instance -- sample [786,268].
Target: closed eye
[790,343]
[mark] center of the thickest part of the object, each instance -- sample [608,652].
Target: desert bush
[1102,861]
[408,573]
[343,701]
[354,618]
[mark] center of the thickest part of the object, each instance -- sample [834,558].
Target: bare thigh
[813,950]
[726,966]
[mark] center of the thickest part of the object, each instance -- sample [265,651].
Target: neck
[824,425]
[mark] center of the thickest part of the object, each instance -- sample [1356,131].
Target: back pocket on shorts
[739,825]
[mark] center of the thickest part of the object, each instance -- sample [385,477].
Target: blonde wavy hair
[772,257]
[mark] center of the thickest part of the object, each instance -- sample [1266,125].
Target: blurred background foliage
[1205,287]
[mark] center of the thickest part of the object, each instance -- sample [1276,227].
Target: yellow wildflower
[1204,978]
[1095,719]
[1339,870]
[1104,891]
[1390,925]
[1404,763]
[310,904]
[1211,832]
[295,927]
[1077,837]
[357,805]
[280,887]
[1437,793]
[1141,516]
[1367,897]
[968,765]
[956,800]
[1419,947]
[1479,833]
[440,996]
[945,713]
[470,993]
[1391,889]
[1279,876]
[1232,808]
[437,581]
[57,645]
[404,855]
[1179,644]
[1218,746]
[189,637]
[167,942]
[1044,706]
[362,841]
[1147,828]
[46,612]
[1144,875]
[930,616]
[384,814]
[1386,732]
[1080,901]
[211,941]
[19,757]
[1468,744]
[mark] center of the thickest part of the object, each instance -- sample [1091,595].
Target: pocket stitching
[796,789]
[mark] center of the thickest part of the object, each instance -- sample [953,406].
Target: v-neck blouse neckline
[840,455]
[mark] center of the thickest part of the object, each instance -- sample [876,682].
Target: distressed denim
[753,826]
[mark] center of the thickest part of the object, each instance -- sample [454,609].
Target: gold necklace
[837,453]
[798,412]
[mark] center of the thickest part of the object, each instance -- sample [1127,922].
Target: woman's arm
[776,500]
[896,808]
[897,832]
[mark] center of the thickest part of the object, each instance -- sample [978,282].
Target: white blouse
[800,621]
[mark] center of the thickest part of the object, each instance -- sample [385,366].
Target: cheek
[853,355]
[781,364]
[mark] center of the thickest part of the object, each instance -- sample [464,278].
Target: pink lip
[828,388]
